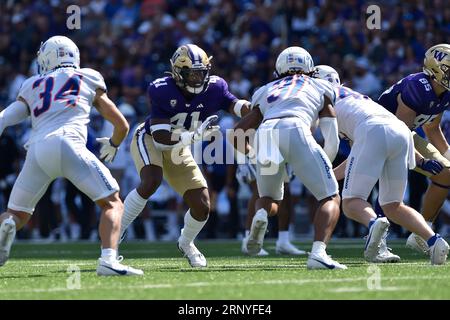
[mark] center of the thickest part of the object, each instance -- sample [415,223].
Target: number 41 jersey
[168,102]
[294,96]
[61,101]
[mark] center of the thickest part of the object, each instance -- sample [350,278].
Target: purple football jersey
[168,102]
[416,92]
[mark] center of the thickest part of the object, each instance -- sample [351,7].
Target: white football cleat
[323,261]
[416,243]
[377,232]
[439,252]
[385,255]
[7,234]
[288,248]
[194,256]
[257,233]
[115,268]
[261,253]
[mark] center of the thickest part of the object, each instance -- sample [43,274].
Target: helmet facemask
[193,80]
[445,81]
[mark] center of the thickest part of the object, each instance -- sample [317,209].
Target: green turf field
[37,271]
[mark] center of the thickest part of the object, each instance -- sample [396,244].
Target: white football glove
[205,130]
[107,150]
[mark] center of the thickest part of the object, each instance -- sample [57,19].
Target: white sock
[318,247]
[283,236]
[247,233]
[191,228]
[109,254]
[133,206]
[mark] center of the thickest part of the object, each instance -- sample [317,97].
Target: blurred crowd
[130,43]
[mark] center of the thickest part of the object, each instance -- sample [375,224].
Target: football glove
[432,166]
[205,130]
[108,150]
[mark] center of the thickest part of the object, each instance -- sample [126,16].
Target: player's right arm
[15,113]
[328,123]
[161,131]
[239,138]
[164,138]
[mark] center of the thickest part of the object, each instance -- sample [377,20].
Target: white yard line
[297,282]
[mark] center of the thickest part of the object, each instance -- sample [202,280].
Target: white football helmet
[293,60]
[327,73]
[57,51]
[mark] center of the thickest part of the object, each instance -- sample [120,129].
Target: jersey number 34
[68,93]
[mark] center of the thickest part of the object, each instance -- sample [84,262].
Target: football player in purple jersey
[183,109]
[420,100]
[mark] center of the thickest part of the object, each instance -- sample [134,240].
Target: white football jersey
[353,109]
[296,96]
[61,101]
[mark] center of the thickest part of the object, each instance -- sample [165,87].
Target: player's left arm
[15,113]
[329,128]
[111,113]
[434,134]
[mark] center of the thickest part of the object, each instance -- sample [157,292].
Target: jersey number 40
[68,93]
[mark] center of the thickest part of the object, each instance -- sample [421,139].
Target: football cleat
[193,255]
[261,253]
[257,233]
[7,234]
[323,261]
[439,251]
[288,248]
[416,243]
[385,255]
[377,231]
[115,268]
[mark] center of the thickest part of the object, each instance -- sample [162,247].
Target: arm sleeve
[157,109]
[227,97]
[328,89]
[412,95]
[94,79]
[15,113]
[329,128]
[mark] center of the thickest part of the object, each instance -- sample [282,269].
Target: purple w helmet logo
[439,55]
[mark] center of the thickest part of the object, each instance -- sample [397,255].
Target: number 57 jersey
[61,101]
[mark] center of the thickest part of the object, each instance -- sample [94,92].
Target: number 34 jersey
[416,92]
[294,96]
[61,101]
